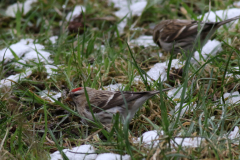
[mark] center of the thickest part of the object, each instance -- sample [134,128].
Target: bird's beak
[68,99]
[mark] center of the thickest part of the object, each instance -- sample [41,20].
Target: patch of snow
[49,69]
[144,41]
[138,7]
[234,135]
[114,87]
[126,7]
[149,138]
[19,65]
[24,46]
[212,47]
[234,69]
[44,94]
[88,149]
[53,39]
[15,78]
[159,70]
[112,156]
[76,12]
[38,56]
[22,7]
[175,94]
[176,64]
[236,4]
[222,14]
[232,98]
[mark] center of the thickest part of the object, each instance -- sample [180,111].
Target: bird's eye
[75,95]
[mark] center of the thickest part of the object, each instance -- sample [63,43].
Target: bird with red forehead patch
[107,103]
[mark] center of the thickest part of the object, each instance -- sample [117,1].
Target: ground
[51,47]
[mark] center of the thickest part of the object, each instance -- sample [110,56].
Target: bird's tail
[228,20]
[164,90]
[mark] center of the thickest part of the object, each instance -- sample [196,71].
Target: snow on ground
[83,152]
[76,12]
[234,135]
[114,87]
[15,78]
[212,47]
[159,70]
[126,7]
[151,139]
[232,98]
[53,39]
[236,4]
[112,156]
[143,41]
[44,94]
[236,70]
[175,94]
[87,152]
[26,49]
[24,7]
[49,70]
[222,14]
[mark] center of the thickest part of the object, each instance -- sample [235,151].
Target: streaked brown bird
[181,34]
[107,103]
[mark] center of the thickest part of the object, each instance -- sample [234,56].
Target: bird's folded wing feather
[116,99]
[180,29]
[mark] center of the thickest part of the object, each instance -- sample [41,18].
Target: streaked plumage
[183,33]
[106,103]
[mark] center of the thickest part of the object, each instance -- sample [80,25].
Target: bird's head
[76,95]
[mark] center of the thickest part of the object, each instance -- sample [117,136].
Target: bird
[107,103]
[181,34]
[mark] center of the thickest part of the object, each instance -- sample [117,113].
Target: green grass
[31,127]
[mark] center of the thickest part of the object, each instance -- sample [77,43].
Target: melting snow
[127,8]
[27,47]
[212,47]
[85,149]
[151,138]
[175,94]
[144,41]
[234,135]
[159,70]
[188,142]
[114,87]
[49,69]
[112,156]
[16,78]
[232,98]
[237,4]
[22,7]
[76,12]
[222,14]
[53,39]
[44,94]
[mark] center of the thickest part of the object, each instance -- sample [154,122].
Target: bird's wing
[108,101]
[178,30]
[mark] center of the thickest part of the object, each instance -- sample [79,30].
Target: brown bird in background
[107,103]
[181,34]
